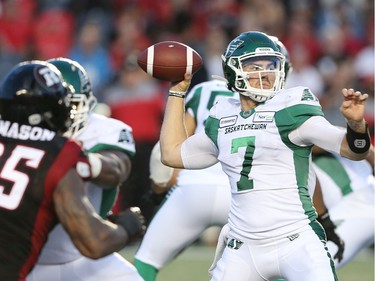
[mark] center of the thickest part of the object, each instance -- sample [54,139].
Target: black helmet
[34,93]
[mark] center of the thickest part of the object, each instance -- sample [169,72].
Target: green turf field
[193,263]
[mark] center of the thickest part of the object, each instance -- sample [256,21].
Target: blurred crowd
[331,46]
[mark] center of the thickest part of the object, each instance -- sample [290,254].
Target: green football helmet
[288,67]
[247,47]
[84,101]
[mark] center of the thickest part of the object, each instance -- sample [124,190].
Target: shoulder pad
[224,106]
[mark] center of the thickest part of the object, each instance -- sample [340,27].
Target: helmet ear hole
[34,93]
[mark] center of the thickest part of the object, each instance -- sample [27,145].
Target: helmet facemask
[79,113]
[241,76]
[252,47]
[83,99]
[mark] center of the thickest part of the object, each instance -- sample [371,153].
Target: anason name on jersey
[24,132]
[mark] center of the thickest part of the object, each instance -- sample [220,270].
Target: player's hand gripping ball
[169,61]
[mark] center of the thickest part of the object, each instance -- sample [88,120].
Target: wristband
[177,94]
[96,165]
[325,221]
[323,216]
[358,142]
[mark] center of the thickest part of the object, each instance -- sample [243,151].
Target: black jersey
[32,162]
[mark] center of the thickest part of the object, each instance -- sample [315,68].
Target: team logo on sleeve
[308,96]
[125,136]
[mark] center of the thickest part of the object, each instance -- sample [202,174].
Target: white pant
[300,257]
[112,267]
[188,211]
[354,217]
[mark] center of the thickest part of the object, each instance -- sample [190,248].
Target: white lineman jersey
[348,191]
[339,177]
[101,133]
[268,173]
[198,104]
[201,197]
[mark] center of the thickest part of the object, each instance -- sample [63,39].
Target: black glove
[329,228]
[132,221]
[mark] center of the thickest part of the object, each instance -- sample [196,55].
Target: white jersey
[198,103]
[339,177]
[268,174]
[348,189]
[101,133]
[200,199]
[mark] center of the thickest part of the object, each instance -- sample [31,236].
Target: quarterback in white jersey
[99,134]
[348,191]
[200,199]
[263,142]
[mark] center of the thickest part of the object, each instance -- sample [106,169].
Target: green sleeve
[109,195]
[211,129]
[291,118]
[193,103]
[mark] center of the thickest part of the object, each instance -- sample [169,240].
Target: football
[169,60]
